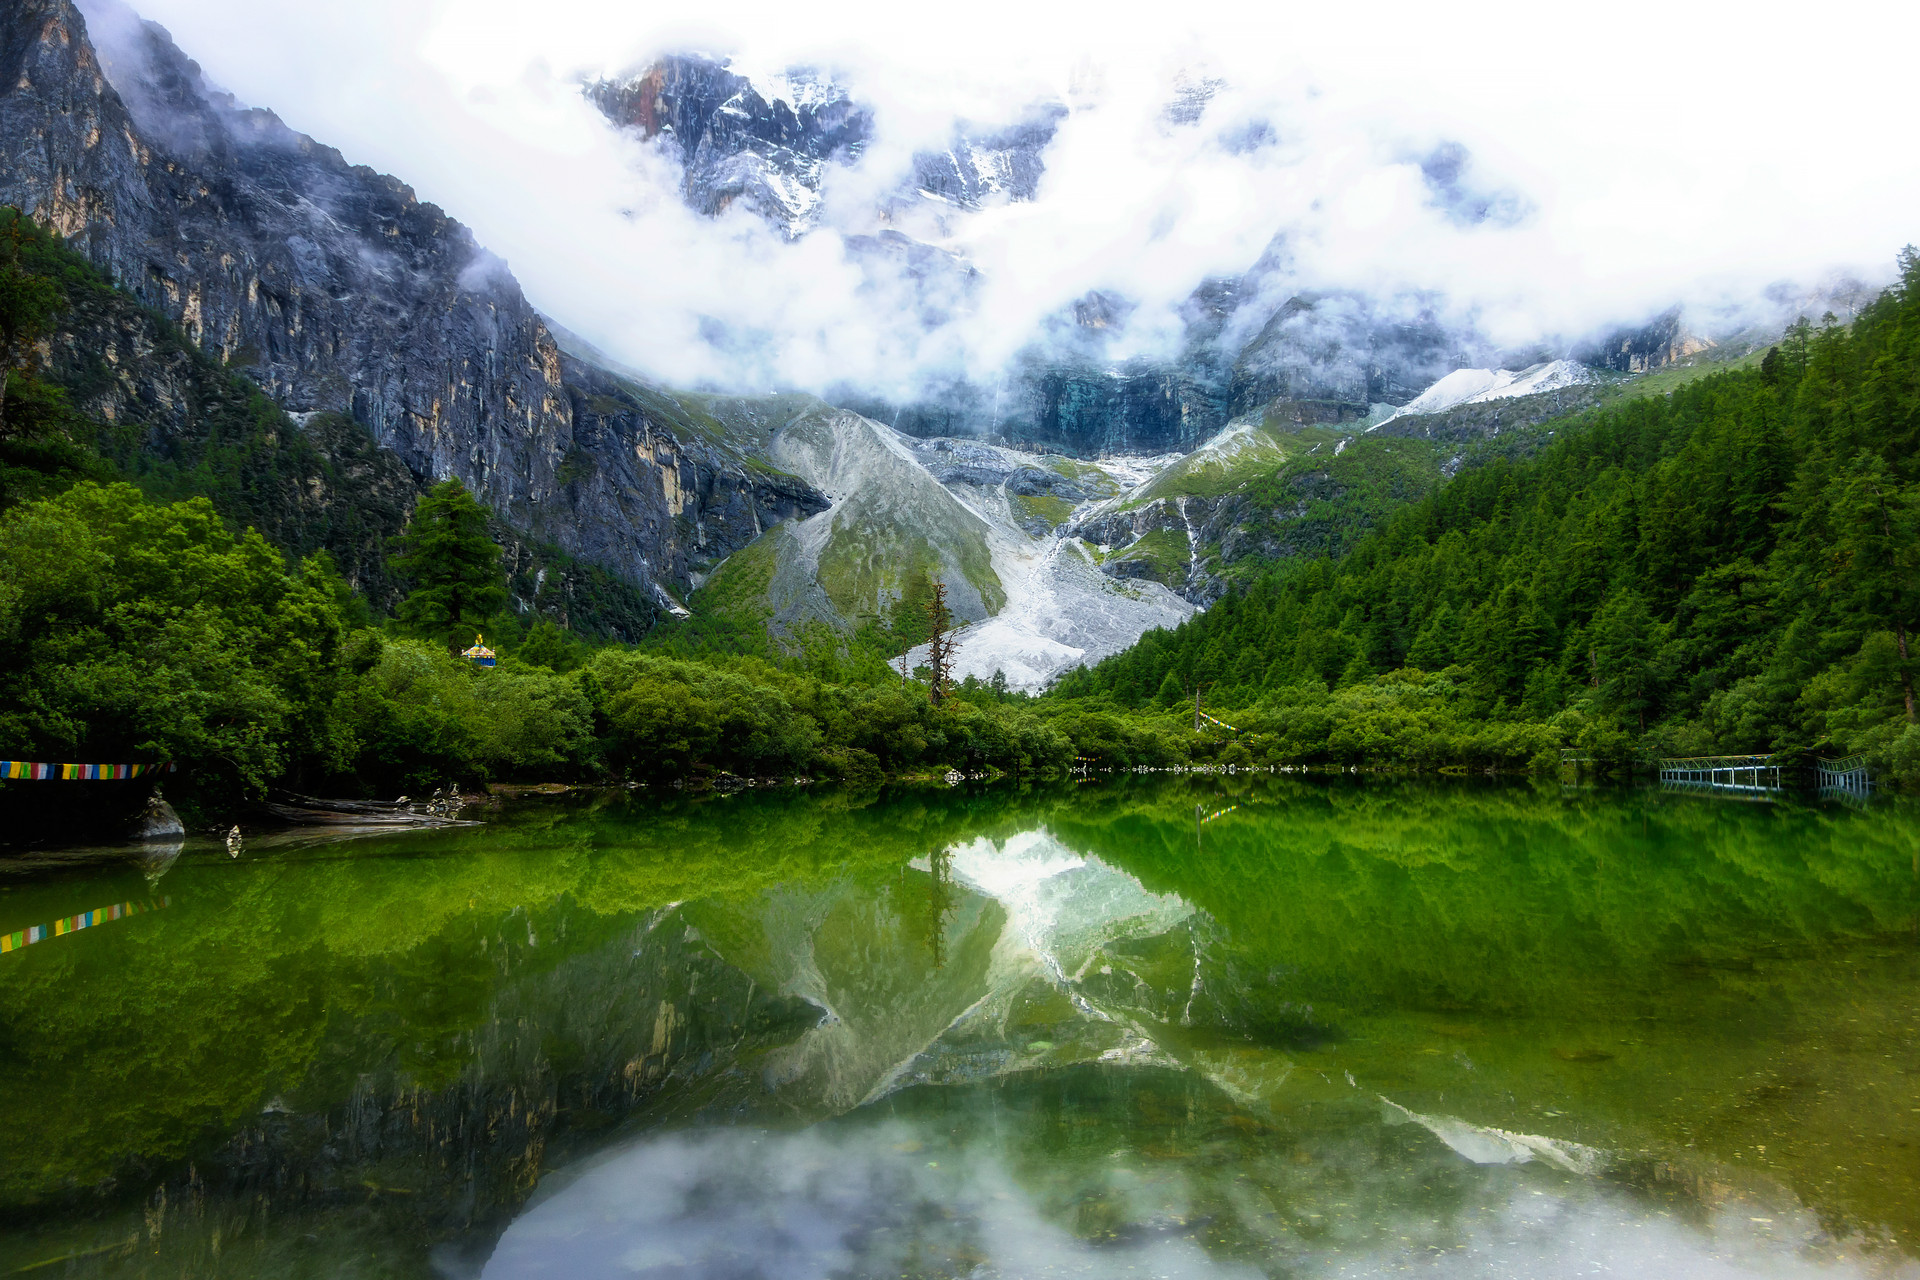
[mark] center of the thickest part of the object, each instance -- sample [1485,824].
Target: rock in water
[158,821]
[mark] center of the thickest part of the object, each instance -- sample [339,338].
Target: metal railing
[1722,773]
[1847,774]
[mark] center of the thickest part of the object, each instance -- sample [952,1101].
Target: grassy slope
[1673,377]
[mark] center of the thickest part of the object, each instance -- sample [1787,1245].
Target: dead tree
[941,636]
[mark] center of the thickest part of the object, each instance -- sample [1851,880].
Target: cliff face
[1664,340]
[328,284]
[689,485]
[331,286]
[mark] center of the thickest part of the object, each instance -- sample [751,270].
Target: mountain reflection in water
[1471,1029]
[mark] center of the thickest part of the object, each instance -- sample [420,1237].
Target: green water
[1209,1027]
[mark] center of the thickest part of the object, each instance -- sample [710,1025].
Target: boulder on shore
[158,821]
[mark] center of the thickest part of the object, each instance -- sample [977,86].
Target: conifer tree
[1876,559]
[454,567]
[28,303]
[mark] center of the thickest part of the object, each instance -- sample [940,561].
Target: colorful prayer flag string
[35,771]
[84,920]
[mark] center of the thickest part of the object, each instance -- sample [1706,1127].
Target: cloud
[1539,172]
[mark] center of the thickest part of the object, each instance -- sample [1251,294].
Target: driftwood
[441,810]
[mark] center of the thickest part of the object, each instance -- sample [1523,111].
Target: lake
[1139,1026]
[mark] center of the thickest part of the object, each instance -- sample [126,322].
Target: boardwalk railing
[1722,773]
[1848,774]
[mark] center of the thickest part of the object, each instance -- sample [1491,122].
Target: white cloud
[1698,152]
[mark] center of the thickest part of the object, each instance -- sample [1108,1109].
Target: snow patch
[1477,386]
[1061,611]
[1482,1144]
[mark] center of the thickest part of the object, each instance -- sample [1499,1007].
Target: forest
[1734,567]
[177,604]
[1731,568]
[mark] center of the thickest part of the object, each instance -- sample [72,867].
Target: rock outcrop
[1664,340]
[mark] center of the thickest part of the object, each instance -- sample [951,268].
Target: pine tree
[28,303]
[1433,648]
[1625,640]
[453,565]
[1876,559]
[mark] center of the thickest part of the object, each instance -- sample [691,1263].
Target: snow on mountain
[1061,610]
[1476,386]
[990,522]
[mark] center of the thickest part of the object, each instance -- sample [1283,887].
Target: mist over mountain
[1108,371]
[339,292]
[1471,175]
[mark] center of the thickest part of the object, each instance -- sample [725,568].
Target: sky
[1647,156]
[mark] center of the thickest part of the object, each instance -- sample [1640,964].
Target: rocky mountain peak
[737,143]
[767,144]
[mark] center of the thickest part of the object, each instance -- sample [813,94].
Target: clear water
[1194,1028]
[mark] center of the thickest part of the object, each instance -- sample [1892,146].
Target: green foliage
[1733,567]
[40,434]
[136,631]
[453,566]
[420,717]
[179,423]
[665,718]
[550,646]
[41,452]
[131,632]
[28,303]
[1161,555]
[263,676]
[1049,508]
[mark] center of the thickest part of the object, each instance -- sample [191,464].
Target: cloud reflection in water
[892,1198]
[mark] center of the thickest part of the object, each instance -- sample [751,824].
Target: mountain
[405,354]
[735,144]
[766,146]
[1478,386]
[1729,565]
[769,147]
[992,523]
[339,292]
[1253,345]
[1070,506]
